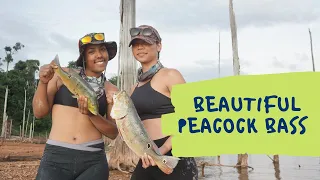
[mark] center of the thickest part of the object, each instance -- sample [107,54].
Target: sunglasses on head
[92,37]
[141,31]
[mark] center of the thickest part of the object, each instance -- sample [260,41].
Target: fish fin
[168,164]
[171,161]
[155,148]
[55,63]
[75,96]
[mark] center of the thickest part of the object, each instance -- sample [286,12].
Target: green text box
[297,128]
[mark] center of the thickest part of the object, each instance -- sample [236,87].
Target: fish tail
[170,163]
[56,62]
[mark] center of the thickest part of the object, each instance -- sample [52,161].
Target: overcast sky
[272,35]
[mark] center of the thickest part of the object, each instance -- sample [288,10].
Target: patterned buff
[150,73]
[96,83]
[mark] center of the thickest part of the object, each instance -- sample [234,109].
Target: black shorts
[67,161]
[185,170]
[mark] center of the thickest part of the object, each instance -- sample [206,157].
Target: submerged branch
[270,158]
[203,164]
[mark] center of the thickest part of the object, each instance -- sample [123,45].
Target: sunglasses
[142,31]
[92,37]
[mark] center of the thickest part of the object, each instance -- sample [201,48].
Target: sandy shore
[21,161]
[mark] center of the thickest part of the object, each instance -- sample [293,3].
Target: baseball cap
[146,33]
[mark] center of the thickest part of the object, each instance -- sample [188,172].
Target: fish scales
[76,85]
[137,139]
[134,134]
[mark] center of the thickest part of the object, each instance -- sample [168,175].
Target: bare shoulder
[173,76]
[110,87]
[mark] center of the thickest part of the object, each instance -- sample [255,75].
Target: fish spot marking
[148,145]
[164,161]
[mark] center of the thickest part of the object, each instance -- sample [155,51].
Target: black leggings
[61,163]
[185,170]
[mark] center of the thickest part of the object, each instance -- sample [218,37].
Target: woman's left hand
[110,94]
[83,105]
[147,160]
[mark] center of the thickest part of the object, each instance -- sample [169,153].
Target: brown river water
[264,169]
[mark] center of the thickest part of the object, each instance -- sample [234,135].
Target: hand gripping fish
[76,85]
[133,133]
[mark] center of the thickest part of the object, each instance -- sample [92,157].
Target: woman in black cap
[75,148]
[151,97]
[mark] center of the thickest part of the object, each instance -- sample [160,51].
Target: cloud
[47,28]
[290,66]
[267,29]
[277,63]
[207,69]
[302,57]
[214,14]
[19,28]
[61,42]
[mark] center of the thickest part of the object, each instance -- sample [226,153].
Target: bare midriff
[70,126]
[153,128]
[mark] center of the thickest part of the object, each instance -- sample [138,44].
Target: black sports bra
[64,97]
[150,103]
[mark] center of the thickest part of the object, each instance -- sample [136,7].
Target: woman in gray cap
[151,97]
[75,148]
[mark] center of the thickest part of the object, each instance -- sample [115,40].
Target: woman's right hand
[46,73]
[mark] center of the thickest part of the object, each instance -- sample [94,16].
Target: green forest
[21,78]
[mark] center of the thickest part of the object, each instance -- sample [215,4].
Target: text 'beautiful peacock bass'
[264,104]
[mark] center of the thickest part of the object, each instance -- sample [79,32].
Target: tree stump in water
[120,156]
[276,168]
[276,158]
[242,160]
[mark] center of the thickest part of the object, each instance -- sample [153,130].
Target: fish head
[121,101]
